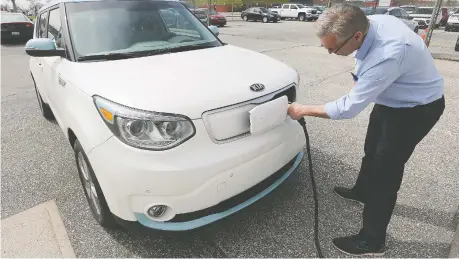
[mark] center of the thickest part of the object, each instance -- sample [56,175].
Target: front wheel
[265,19]
[416,29]
[301,17]
[245,18]
[92,190]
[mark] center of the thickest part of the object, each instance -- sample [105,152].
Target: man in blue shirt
[394,70]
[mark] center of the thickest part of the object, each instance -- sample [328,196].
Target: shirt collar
[361,53]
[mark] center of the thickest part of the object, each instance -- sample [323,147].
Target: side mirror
[214,30]
[43,47]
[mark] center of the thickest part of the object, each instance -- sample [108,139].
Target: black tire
[45,110]
[275,20]
[302,17]
[100,211]
[265,19]
[446,28]
[416,29]
[245,18]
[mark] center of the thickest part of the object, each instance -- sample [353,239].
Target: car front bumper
[195,178]
[218,22]
[310,16]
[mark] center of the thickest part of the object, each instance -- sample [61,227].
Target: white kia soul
[169,125]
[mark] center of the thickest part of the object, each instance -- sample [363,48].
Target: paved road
[38,165]
[442,42]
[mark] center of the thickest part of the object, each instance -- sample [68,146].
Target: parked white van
[157,110]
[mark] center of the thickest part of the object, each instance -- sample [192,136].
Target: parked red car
[16,26]
[216,18]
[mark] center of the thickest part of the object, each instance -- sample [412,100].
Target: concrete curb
[59,229]
[454,252]
[444,56]
[36,232]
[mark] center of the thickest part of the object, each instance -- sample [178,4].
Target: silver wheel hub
[88,184]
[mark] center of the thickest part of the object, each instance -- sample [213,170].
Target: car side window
[293,7]
[42,33]
[286,6]
[54,27]
[405,15]
[395,13]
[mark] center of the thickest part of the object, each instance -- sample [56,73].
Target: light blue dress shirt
[394,68]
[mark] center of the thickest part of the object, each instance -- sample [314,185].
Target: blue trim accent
[181,226]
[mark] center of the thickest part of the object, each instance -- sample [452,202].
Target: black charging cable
[314,191]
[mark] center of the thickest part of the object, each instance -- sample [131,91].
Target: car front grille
[237,199]
[231,123]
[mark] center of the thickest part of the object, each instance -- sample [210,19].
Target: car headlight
[144,129]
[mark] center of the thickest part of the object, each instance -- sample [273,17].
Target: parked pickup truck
[296,11]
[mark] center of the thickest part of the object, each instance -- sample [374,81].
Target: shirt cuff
[331,109]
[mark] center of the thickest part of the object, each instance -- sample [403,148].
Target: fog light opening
[157,211]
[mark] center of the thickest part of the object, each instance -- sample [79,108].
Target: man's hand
[297,111]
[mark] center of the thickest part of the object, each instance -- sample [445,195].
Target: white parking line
[37,232]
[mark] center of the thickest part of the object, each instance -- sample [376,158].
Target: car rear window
[13,18]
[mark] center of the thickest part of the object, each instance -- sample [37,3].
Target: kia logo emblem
[257,87]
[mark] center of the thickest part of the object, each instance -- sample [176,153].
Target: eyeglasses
[344,43]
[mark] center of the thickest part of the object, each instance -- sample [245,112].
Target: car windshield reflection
[135,26]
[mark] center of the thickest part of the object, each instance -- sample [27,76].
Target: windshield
[423,11]
[8,17]
[212,11]
[138,26]
[381,10]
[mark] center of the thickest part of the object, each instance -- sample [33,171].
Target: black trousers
[392,136]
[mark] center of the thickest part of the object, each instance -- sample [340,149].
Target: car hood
[187,83]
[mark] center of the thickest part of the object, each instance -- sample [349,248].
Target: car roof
[55,2]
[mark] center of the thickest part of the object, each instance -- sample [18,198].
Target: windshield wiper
[177,49]
[108,56]
[125,55]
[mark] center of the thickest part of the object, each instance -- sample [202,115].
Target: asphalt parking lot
[38,165]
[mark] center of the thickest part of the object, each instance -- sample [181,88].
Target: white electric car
[159,111]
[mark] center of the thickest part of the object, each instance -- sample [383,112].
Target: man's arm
[372,83]
[297,111]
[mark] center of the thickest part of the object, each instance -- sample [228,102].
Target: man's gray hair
[342,20]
